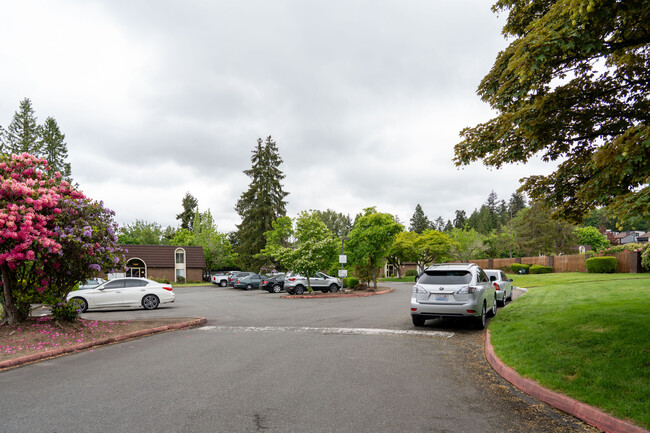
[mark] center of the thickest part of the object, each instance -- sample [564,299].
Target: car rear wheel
[299,290]
[276,288]
[83,305]
[150,302]
[493,311]
[249,287]
[502,302]
[481,321]
[334,288]
[222,283]
[418,320]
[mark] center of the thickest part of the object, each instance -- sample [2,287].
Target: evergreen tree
[438,224]
[23,132]
[54,148]
[338,223]
[460,220]
[261,204]
[419,221]
[517,202]
[448,226]
[189,209]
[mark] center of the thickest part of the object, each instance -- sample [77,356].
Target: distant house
[165,261]
[643,238]
[628,237]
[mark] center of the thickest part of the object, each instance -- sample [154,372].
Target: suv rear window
[446,277]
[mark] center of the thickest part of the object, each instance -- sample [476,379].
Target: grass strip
[585,335]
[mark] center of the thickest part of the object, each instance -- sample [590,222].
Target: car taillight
[496,286]
[167,288]
[292,279]
[468,289]
[264,282]
[238,281]
[419,289]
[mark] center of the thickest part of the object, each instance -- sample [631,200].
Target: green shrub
[539,269]
[645,257]
[601,265]
[162,280]
[517,268]
[620,248]
[410,273]
[68,311]
[180,280]
[350,282]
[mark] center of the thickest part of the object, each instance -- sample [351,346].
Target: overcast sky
[365,100]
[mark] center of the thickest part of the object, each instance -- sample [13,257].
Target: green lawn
[585,335]
[398,280]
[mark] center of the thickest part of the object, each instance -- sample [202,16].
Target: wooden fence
[627,262]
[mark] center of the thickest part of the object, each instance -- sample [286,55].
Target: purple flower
[95,267]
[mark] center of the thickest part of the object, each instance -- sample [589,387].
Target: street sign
[343,259]
[343,273]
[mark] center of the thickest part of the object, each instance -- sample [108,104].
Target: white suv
[296,283]
[453,290]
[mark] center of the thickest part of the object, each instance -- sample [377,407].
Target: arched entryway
[136,268]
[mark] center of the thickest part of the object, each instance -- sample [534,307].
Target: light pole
[343,258]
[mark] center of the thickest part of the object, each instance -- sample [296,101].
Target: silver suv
[296,283]
[453,290]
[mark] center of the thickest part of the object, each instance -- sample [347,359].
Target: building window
[180,266]
[180,257]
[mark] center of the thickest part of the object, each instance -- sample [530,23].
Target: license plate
[442,298]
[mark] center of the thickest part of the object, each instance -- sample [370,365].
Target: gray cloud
[364,98]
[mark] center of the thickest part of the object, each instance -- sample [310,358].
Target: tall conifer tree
[419,221]
[54,148]
[261,204]
[23,132]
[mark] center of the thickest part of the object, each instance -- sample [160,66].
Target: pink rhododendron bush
[52,236]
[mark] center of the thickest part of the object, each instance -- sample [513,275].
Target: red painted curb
[589,414]
[335,295]
[86,345]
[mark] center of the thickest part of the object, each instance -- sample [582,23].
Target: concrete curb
[589,414]
[337,295]
[101,342]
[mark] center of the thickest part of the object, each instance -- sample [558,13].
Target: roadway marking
[340,331]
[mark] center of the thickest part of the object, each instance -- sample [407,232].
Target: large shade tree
[51,236]
[370,240]
[573,86]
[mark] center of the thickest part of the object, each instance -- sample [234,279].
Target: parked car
[124,292]
[232,279]
[502,285]
[220,279]
[250,282]
[453,290]
[91,283]
[273,284]
[296,283]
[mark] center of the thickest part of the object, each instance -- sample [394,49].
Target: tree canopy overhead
[573,86]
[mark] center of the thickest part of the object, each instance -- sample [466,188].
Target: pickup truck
[220,279]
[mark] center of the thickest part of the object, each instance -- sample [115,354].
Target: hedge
[516,267]
[350,282]
[539,269]
[410,273]
[601,265]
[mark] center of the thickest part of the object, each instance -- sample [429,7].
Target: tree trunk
[12,312]
[374,278]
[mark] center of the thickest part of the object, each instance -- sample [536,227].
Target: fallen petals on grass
[44,333]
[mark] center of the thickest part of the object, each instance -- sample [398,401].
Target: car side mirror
[510,280]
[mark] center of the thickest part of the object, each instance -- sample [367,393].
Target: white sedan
[502,284]
[124,292]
